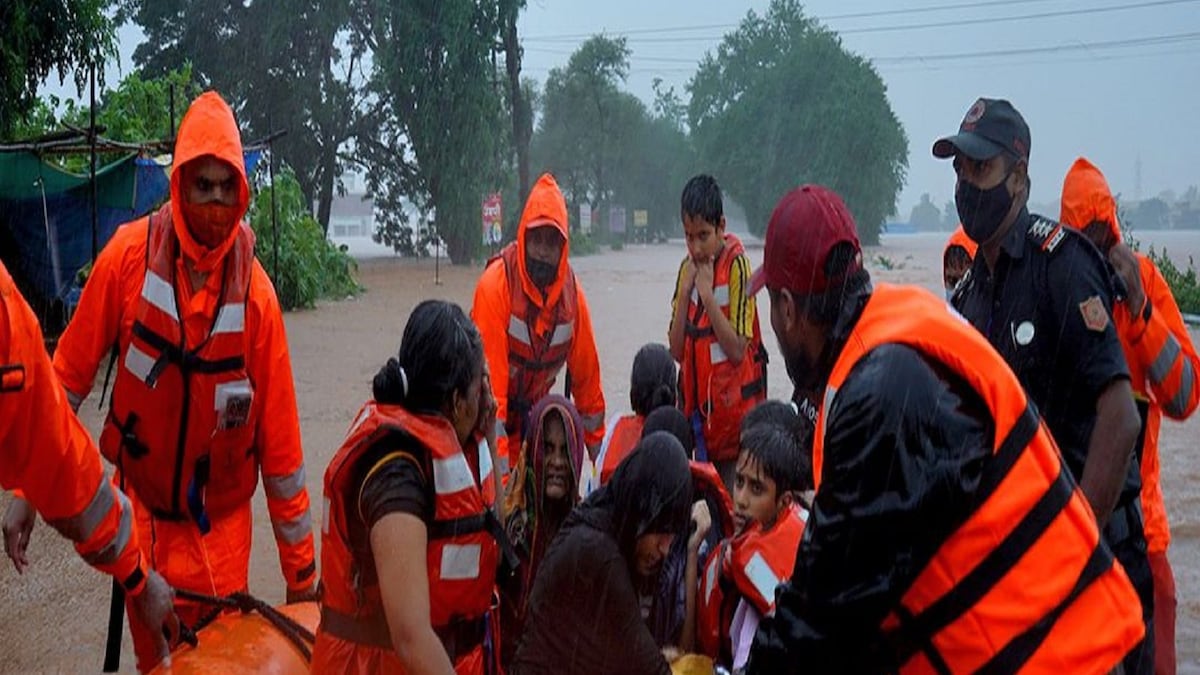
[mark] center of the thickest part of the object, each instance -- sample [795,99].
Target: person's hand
[154,607]
[703,521]
[1125,263]
[671,654]
[689,277]
[303,595]
[704,279]
[18,525]
[488,407]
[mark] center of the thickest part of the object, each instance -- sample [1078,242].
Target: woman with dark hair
[411,492]
[653,384]
[543,490]
[584,615]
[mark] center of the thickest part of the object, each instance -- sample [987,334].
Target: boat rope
[297,634]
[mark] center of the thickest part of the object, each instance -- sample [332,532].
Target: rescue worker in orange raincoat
[55,464]
[203,394]
[946,533]
[1163,369]
[534,319]
[410,544]
[956,259]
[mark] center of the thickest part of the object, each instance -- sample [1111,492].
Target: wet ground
[54,617]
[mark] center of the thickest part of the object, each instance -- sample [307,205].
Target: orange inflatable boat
[250,643]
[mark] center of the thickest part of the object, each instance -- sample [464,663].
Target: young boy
[957,259]
[738,587]
[714,332]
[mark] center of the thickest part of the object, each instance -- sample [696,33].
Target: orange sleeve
[54,461]
[95,326]
[490,311]
[277,436]
[1164,348]
[583,364]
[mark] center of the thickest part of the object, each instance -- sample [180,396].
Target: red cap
[806,225]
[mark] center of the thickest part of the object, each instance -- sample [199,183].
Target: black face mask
[542,274]
[982,211]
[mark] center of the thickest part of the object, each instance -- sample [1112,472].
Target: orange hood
[208,128]
[959,238]
[544,208]
[1087,199]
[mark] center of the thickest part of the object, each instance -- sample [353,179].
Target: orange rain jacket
[494,312]
[54,461]
[1163,364]
[116,295]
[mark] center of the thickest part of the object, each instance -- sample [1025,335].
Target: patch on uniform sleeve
[1095,317]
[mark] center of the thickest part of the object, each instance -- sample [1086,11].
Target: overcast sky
[1114,103]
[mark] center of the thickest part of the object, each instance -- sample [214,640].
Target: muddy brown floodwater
[54,616]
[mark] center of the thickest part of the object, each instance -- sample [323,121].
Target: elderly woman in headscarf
[544,489]
[584,614]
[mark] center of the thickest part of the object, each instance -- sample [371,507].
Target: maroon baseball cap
[805,226]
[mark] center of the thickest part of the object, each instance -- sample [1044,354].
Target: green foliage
[439,103]
[41,37]
[819,114]
[310,266]
[293,65]
[604,146]
[1183,283]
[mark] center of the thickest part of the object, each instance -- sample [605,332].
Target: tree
[782,103]
[583,112]
[519,103]
[437,89]
[925,215]
[41,37]
[949,216]
[293,65]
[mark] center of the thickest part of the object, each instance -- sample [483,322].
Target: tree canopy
[782,103]
[67,37]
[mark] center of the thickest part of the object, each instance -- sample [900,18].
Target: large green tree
[604,145]
[293,65]
[439,98]
[39,37]
[783,103]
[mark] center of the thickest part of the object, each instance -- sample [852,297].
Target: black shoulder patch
[1046,234]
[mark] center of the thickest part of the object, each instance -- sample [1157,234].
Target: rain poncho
[531,524]
[584,615]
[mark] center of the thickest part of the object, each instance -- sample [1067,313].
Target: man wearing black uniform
[1042,295]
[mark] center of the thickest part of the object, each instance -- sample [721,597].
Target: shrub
[310,267]
[1183,283]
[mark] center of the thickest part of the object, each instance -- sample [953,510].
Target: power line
[1051,49]
[831,17]
[904,27]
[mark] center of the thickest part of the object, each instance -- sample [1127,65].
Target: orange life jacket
[534,360]
[756,563]
[626,433]
[1025,583]
[462,552]
[721,391]
[182,419]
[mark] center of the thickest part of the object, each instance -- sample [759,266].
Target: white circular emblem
[975,113]
[1024,333]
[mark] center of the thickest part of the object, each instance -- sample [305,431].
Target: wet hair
[440,353]
[702,199]
[1099,232]
[654,379]
[655,488]
[780,440]
[672,421]
[956,256]
[847,277]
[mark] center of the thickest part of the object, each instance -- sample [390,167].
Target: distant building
[352,214]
